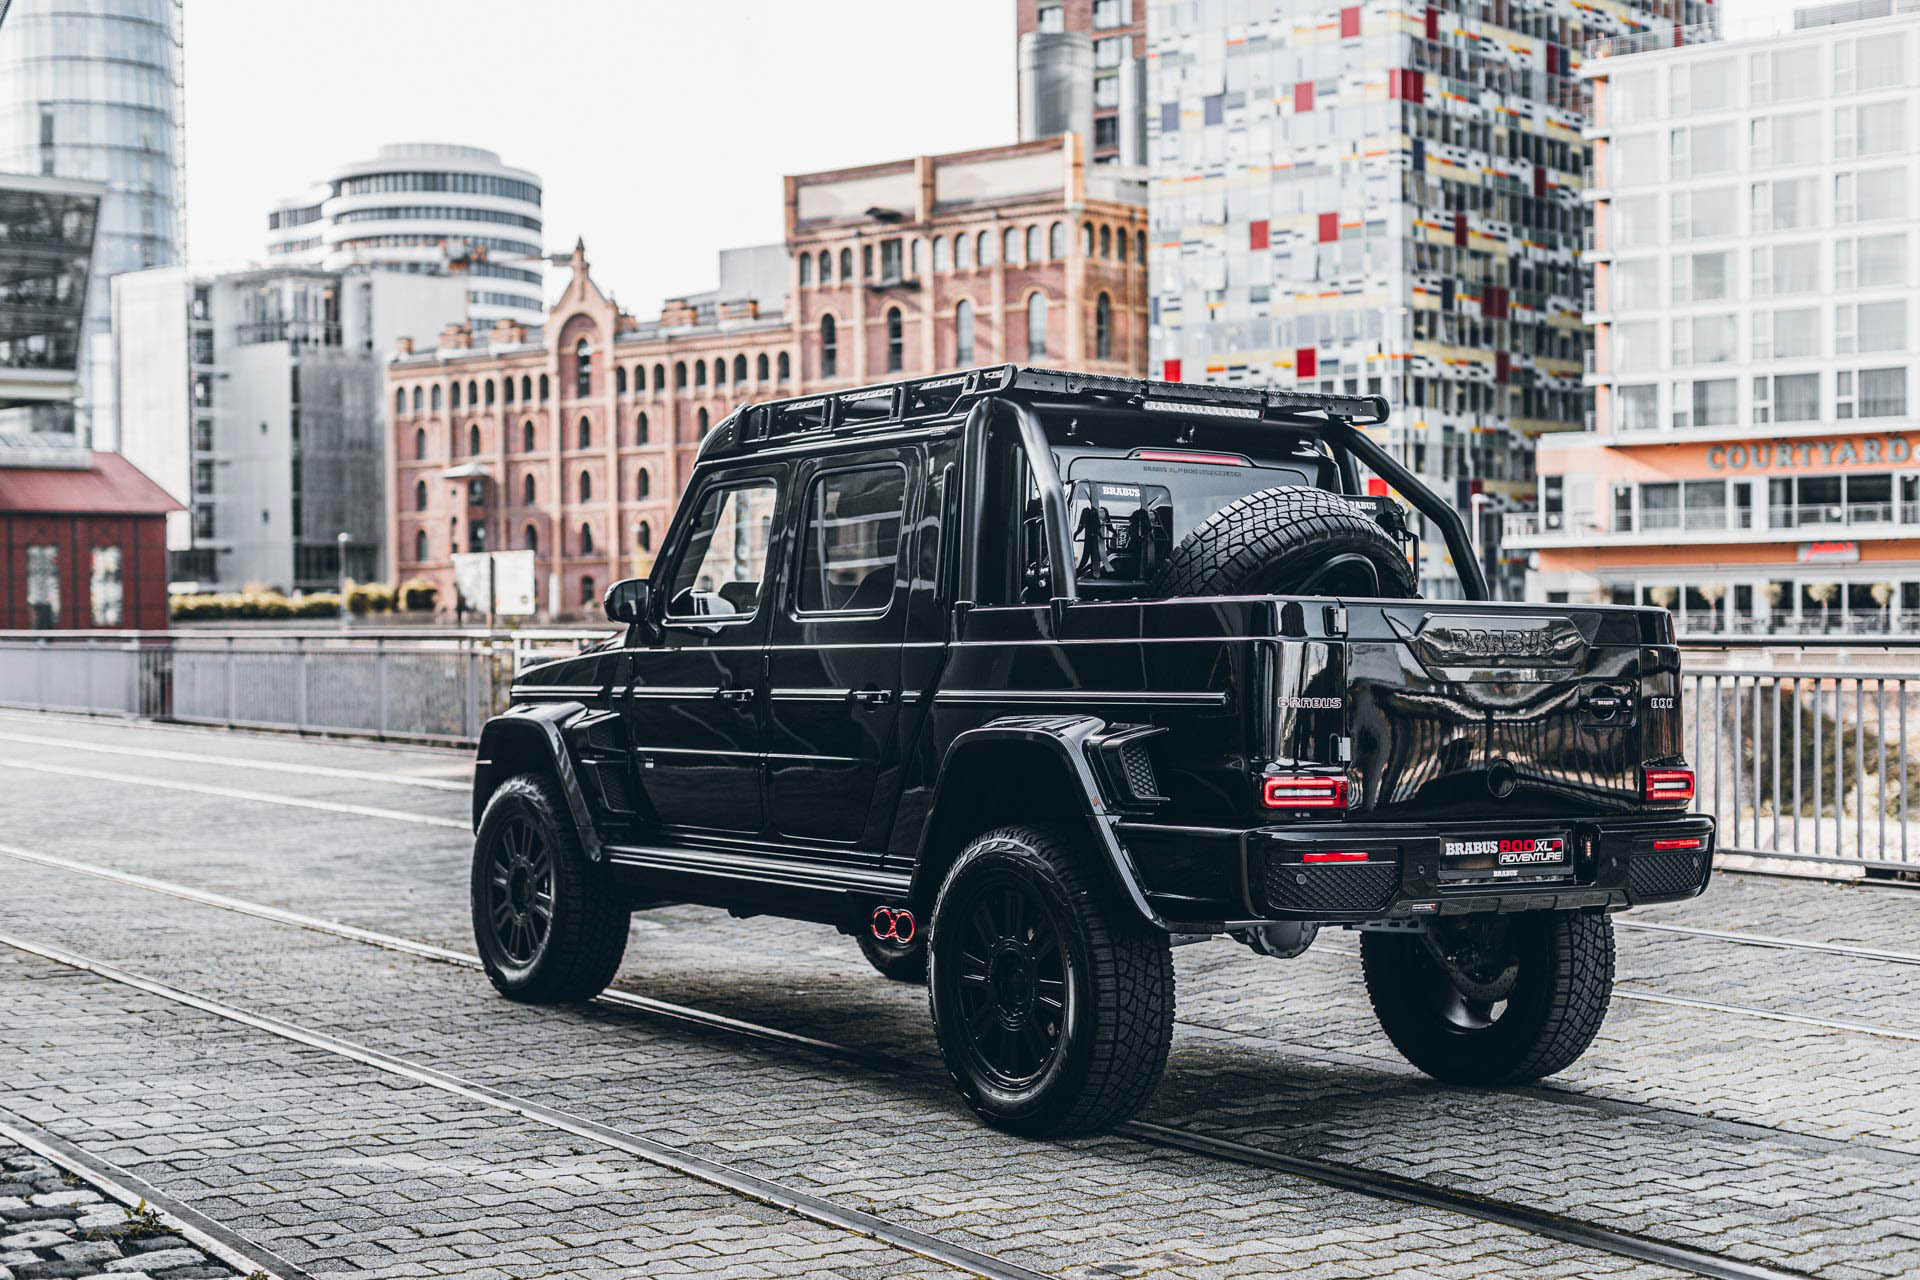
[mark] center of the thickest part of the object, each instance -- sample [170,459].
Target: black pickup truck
[1024,677]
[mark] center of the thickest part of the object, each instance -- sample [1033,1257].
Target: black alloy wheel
[520,891]
[1009,980]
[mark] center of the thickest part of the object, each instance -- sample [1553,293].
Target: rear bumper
[1273,873]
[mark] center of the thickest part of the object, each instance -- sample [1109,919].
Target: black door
[694,703]
[834,653]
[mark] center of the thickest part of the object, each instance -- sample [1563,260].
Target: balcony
[298,333]
[1851,515]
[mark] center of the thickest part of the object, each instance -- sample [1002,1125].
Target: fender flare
[532,735]
[1066,738]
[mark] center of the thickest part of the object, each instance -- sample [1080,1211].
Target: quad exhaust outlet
[894,924]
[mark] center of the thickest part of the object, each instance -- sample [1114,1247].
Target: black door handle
[871,698]
[734,695]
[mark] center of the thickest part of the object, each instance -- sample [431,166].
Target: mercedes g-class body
[1023,677]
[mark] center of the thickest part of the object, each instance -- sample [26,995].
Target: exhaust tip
[893,925]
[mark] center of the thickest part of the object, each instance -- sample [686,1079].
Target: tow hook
[894,924]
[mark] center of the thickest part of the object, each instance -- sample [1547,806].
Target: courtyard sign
[1829,552]
[1788,455]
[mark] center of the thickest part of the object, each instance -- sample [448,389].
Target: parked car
[1025,677]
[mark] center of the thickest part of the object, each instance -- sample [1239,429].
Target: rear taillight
[1343,855]
[1667,786]
[1303,791]
[1674,846]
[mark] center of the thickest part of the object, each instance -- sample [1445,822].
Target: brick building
[83,543]
[577,446]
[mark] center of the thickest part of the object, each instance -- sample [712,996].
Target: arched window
[1033,244]
[586,486]
[419,544]
[679,374]
[1057,240]
[1037,325]
[473,393]
[419,442]
[543,389]
[640,429]
[400,402]
[506,390]
[826,266]
[1086,239]
[643,536]
[701,419]
[913,257]
[644,485]
[619,379]
[526,388]
[963,253]
[532,537]
[582,369]
[829,348]
[586,590]
[586,540]
[1140,247]
[526,436]
[720,371]
[786,367]
[1010,246]
[416,399]
[963,333]
[586,432]
[983,248]
[527,493]
[1106,242]
[1103,328]
[659,378]
[866,262]
[699,373]
[436,397]
[487,388]
[896,341]
[639,378]
[419,495]
[473,438]
[806,270]
[760,367]
[739,370]
[1119,242]
[454,395]
[846,265]
[939,254]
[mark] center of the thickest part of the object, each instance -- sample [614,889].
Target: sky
[660,128]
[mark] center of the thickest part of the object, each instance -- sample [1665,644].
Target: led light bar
[1200,410]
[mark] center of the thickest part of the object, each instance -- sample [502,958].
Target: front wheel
[1492,999]
[1054,1010]
[549,925]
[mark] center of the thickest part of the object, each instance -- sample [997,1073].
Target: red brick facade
[609,456]
[62,516]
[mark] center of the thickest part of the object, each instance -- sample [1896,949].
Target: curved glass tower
[90,89]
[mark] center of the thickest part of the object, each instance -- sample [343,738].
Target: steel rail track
[740,1182]
[1369,1182]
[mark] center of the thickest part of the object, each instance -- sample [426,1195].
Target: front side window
[105,590]
[724,560]
[43,587]
[852,540]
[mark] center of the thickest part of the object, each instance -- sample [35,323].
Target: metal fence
[434,686]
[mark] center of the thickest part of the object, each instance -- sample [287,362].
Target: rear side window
[724,562]
[850,542]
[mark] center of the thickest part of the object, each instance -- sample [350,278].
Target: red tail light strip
[1662,846]
[1356,855]
[1304,791]
[1668,786]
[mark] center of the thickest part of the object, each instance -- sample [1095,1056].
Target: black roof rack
[894,404]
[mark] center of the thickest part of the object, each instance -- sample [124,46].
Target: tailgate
[1458,709]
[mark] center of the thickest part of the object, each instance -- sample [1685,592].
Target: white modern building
[430,208]
[256,399]
[1752,458]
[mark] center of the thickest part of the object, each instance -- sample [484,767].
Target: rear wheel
[549,925]
[1492,1000]
[1053,1010]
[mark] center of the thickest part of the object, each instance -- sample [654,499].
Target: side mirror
[630,601]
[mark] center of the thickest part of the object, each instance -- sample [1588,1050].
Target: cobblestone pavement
[1773,1142]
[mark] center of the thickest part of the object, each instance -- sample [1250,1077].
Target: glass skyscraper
[90,90]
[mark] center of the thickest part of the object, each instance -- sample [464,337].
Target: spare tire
[1288,540]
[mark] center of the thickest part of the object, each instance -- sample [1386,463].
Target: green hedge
[362,598]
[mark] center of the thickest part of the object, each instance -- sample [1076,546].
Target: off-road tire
[902,964]
[582,945]
[1271,542]
[1116,1022]
[1559,999]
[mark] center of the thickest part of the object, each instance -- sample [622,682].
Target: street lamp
[343,538]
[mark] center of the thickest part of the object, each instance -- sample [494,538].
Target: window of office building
[1870,326]
[1787,334]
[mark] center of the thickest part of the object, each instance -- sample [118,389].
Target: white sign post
[501,582]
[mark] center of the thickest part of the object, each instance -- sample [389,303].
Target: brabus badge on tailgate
[1458,641]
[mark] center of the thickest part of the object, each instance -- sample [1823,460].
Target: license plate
[1493,858]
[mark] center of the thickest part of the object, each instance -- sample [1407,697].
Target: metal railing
[424,685]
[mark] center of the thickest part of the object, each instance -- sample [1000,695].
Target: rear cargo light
[1352,855]
[1175,455]
[1304,791]
[1668,786]
[1665,846]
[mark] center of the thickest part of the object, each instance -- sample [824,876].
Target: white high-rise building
[426,207]
[1751,460]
